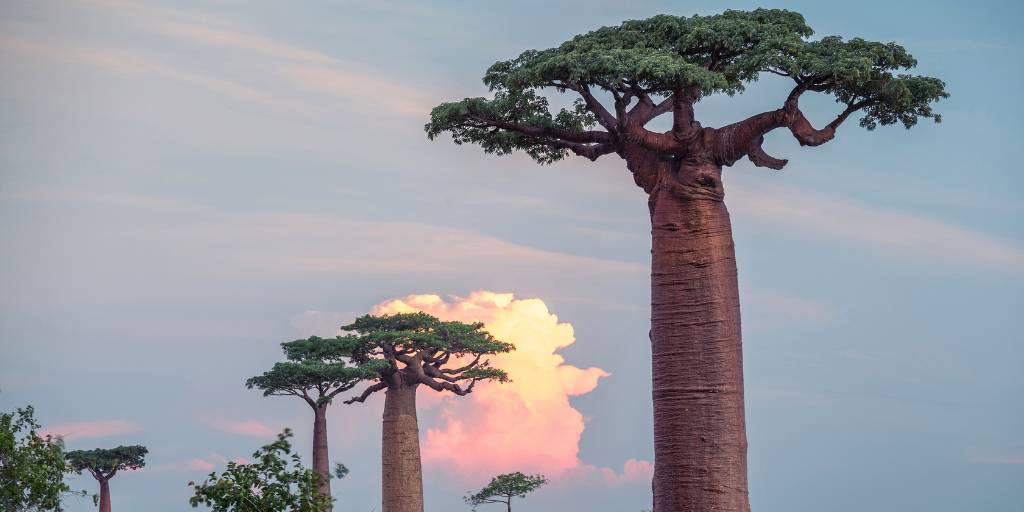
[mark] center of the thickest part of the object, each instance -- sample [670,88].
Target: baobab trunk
[321,460]
[104,495]
[402,475]
[700,441]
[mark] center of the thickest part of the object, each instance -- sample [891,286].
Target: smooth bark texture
[699,436]
[104,494]
[321,461]
[402,475]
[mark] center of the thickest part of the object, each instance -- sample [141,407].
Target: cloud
[1012,457]
[232,39]
[525,425]
[90,429]
[360,88]
[900,232]
[252,428]
[633,471]
[128,62]
[295,243]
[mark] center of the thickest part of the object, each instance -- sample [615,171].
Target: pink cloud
[525,425]
[90,429]
[252,428]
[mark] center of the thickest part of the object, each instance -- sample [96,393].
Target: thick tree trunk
[104,495]
[321,460]
[700,441]
[402,478]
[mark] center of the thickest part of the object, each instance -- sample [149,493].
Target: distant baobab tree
[626,76]
[409,350]
[316,380]
[103,464]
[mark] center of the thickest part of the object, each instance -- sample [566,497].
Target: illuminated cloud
[528,424]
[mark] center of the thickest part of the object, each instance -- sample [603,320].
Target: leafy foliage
[32,468]
[505,487]
[314,371]
[695,57]
[274,481]
[418,347]
[103,463]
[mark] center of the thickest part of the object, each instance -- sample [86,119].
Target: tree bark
[700,441]
[104,495]
[402,478]
[321,460]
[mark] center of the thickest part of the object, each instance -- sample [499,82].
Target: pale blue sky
[180,182]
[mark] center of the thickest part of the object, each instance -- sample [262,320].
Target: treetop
[667,63]
[104,462]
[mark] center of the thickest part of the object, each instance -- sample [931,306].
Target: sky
[184,186]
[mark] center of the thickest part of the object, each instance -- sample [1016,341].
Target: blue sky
[184,186]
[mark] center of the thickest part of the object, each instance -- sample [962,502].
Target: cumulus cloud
[90,429]
[525,425]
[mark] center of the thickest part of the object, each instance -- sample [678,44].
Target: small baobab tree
[503,488]
[317,378]
[409,350]
[103,464]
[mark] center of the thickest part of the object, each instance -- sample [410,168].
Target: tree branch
[546,132]
[604,117]
[367,392]
[589,151]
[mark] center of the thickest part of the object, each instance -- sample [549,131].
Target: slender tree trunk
[700,441]
[104,495]
[321,460]
[509,504]
[402,478]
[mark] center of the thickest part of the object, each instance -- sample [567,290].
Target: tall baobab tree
[628,75]
[103,464]
[312,375]
[408,350]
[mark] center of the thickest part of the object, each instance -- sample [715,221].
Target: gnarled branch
[367,392]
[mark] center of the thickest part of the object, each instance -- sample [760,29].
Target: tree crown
[316,370]
[105,462]
[682,59]
[503,488]
[416,348]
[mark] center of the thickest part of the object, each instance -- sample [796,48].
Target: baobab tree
[312,374]
[623,78]
[103,464]
[408,350]
[503,488]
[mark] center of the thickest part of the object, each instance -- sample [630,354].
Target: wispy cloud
[360,88]
[123,61]
[253,428]
[299,243]
[898,233]
[90,429]
[1010,457]
[233,39]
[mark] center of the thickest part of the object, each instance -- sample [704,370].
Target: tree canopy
[274,480]
[315,372]
[32,467]
[667,63]
[103,463]
[503,488]
[418,348]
